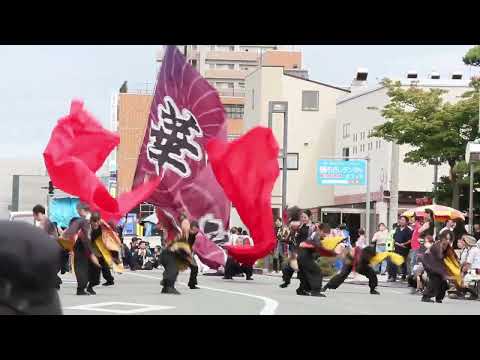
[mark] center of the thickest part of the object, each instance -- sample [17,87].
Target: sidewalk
[356,279]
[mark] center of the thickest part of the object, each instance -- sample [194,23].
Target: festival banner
[186,113]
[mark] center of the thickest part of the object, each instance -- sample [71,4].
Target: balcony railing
[232,92]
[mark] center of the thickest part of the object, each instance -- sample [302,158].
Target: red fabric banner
[78,147]
[247,169]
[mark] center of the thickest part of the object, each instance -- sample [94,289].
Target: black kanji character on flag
[173,138]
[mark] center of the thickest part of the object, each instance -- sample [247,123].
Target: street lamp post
[281,107]
[472,156]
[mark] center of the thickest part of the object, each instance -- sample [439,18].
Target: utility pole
[281,107]
[394,184]
[470,207]
[367,205]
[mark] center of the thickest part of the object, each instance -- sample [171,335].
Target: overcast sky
[37,83]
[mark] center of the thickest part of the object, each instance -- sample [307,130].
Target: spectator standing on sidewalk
[476,231]
[415,244]
[380,239]
[450,226]
[346,235]
[362,240]
[402,239]
[281,248]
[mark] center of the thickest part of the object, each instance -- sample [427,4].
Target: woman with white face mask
[470,263]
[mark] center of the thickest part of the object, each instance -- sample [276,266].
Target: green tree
[472,57]
[437,131]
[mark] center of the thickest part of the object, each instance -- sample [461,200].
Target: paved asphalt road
[139,293]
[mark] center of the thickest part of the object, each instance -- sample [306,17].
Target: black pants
[104,270]
[192,281]
[169,263]
[436,286]
[309,272]
[277,263]
[287,273]
[86,272]
[64,257]
[60,266]
[363,269]
[233,268]
[392,269]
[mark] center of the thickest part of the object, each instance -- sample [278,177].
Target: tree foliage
[438,131]
[472,57]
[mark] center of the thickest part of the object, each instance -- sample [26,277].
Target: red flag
[77,149]
[247,169]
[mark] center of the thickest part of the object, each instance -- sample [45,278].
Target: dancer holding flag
[77,148]
[185,114]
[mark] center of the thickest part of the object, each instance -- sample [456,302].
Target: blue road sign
[341,172]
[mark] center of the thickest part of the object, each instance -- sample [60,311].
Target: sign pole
[367,203]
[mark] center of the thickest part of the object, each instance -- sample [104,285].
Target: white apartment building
[357,114]
[311,129]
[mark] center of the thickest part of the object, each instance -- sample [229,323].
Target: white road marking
[100,307]
[270,304]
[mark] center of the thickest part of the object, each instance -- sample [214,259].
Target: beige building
[227,66]
[311,129]
[357,114]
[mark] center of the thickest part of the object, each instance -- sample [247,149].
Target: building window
[212,47]
[362,148]
[241,85]
[292,161]
[211,66]
[224,85]
[234,111]
[310,100]
[355,150]
[370,146]
[225,66]
[225,47]
[362,135]
[194,63]
[346,153]
[346,131]
[355,137]
[378,144]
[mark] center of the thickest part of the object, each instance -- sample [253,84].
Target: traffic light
[51,189]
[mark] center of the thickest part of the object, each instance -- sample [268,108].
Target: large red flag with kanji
[78,147]
[185,114]
[247,169]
